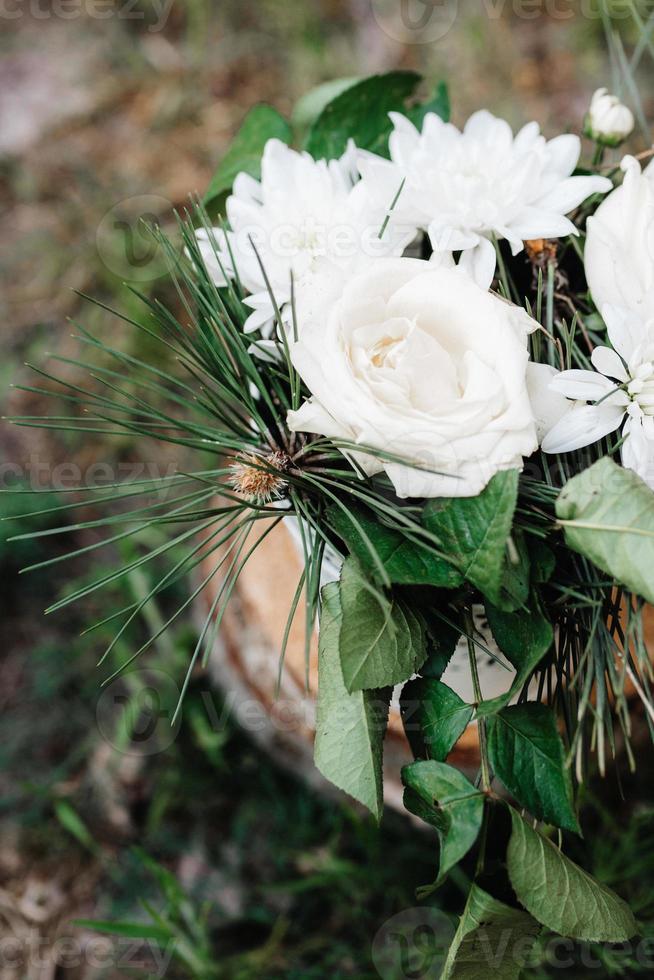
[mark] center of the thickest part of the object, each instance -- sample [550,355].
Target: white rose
[619,254]
[419,362]
[608,120]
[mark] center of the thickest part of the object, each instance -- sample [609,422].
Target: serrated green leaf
[350,728]
[443,797]
[361,113]
[559,894]
[476,530]
[438,102]
[486,940]
[523,634]
[526,753]
[608,516]
[244,154]
[382,642]
[434,717]
[405,562]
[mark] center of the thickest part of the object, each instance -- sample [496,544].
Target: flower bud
[608,121]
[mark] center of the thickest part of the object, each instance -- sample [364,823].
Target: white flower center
[307,239]
[384,350]
[405,365]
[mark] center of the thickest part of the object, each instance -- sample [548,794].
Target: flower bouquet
[432,349]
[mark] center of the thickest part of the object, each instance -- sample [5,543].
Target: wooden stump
[246,665]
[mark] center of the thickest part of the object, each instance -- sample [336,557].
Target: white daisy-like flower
[466,187]
[309,221]
[619,253]
[621,390]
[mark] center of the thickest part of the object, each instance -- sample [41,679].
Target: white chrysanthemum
[620,390]
[464,188]
[306,219]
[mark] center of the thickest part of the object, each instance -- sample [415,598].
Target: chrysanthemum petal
[626,330]
[587,386]
[570,193]
[564,152]
[638,449]
[582,426]
[479,263]
[608,362]
[537,222]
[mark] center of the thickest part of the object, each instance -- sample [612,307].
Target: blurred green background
[108,111]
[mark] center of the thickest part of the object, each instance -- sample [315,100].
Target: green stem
[483,838]
[481,722]
[549,311]
[598,156]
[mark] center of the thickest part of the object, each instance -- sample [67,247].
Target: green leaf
[543,561]
[405,562]
[361,113]
[443,797]
[486,940]
[311,104]
[349,727]
[562,896]
[523,674]
[525,637]
[131,930]
[170,887]
[526,753]
[434,717]
[439,102]
[382,642]
[71,821]
[244,154]
[476,530]
[443,631]
[521,635]
[516,574]
[608,516]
